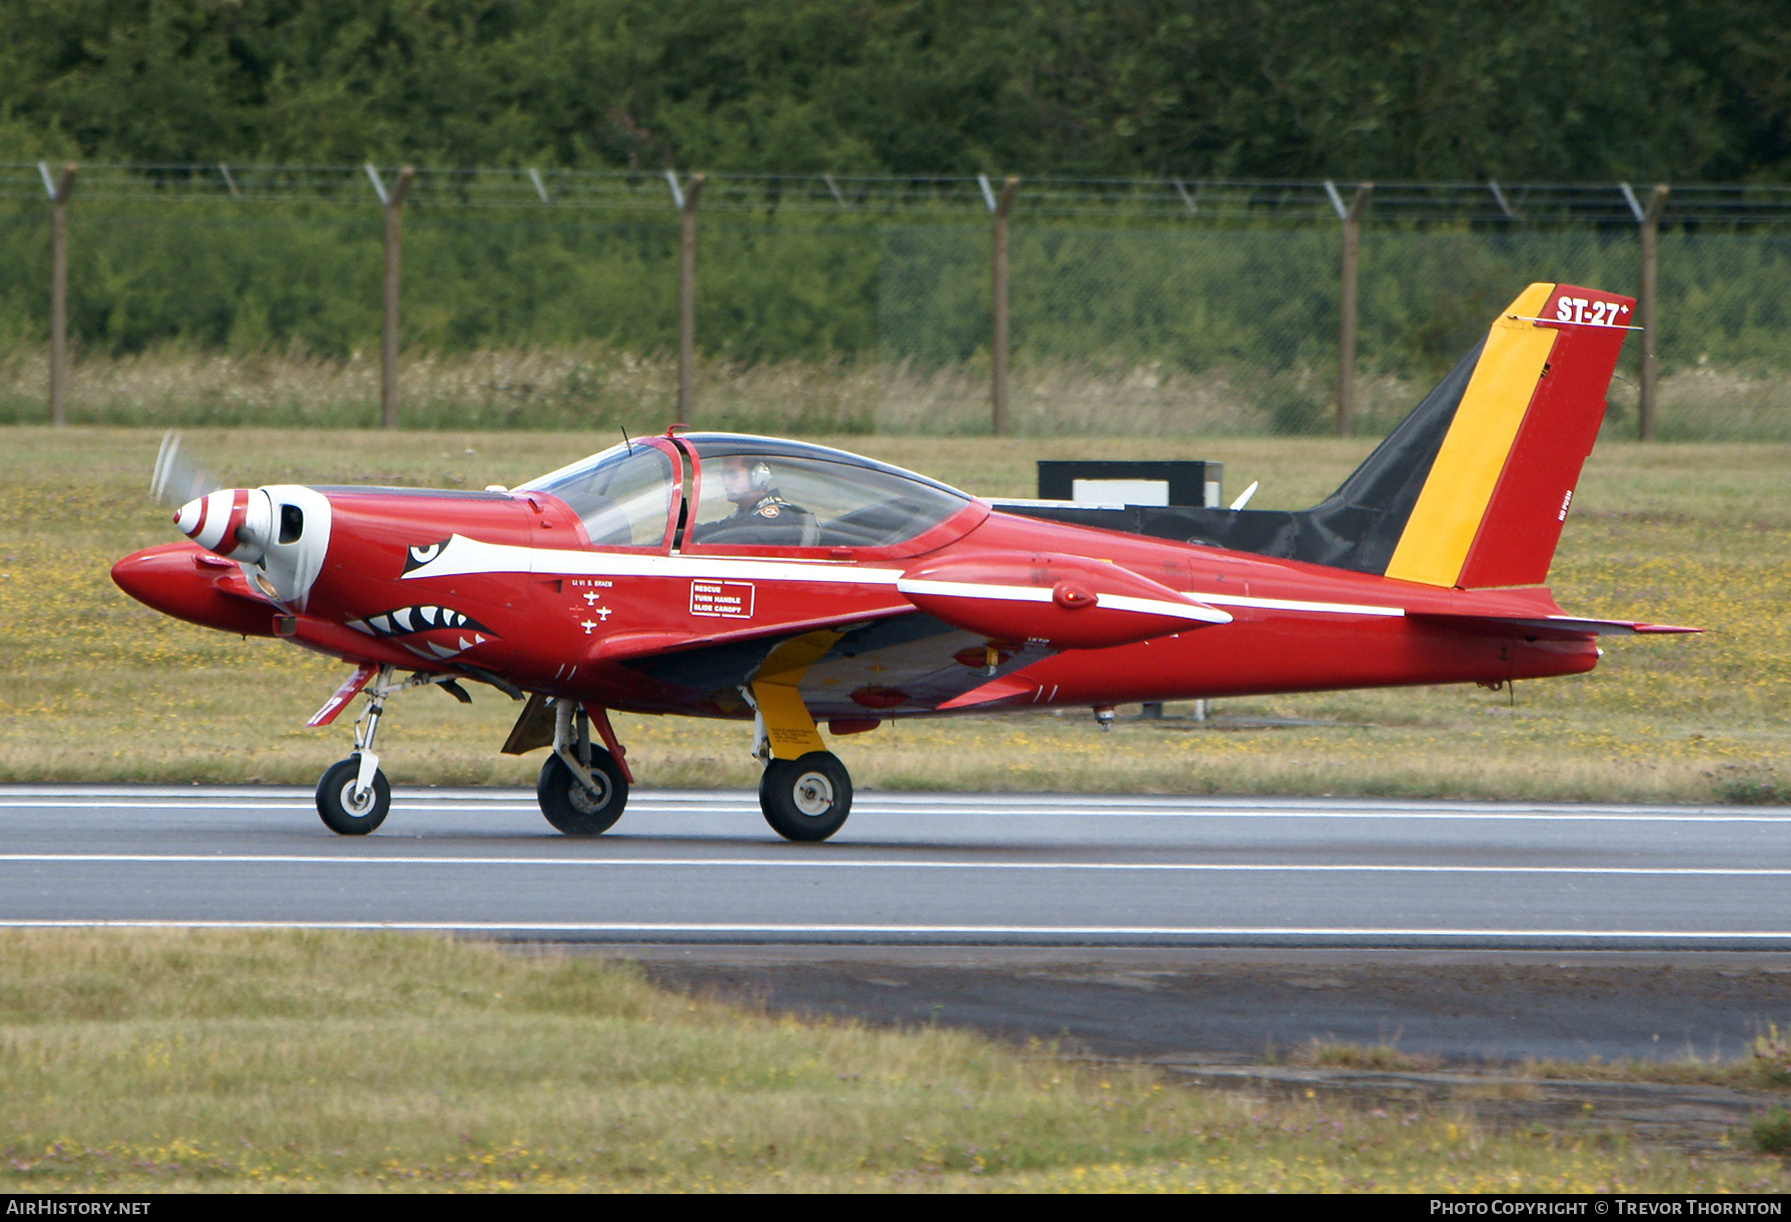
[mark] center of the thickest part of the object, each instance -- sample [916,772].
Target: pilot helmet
[744,477]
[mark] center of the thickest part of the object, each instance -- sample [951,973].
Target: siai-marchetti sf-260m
[786,585]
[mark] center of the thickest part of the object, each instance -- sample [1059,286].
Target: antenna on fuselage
[1248,493]
[627,440]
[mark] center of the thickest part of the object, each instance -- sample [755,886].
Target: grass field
[547,388]
[100,688]
[219,1061]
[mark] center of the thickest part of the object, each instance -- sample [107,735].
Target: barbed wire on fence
[1188,199]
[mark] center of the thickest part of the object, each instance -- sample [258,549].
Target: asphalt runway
[917,869]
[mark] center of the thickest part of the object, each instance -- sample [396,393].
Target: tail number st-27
[1592,313]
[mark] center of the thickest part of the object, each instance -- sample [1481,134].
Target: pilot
[761,514]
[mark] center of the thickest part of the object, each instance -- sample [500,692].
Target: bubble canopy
[754,493]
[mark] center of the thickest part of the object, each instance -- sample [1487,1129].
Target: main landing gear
[582,789]
[804,792]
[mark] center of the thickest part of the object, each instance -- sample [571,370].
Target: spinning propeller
[177,479]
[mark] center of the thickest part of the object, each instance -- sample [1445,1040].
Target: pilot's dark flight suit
[770,521]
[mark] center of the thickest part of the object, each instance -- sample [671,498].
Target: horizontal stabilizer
[1552,627]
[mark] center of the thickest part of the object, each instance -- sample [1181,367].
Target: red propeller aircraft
[716,575]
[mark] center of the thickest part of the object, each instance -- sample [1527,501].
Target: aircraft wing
[907,662]
[967,623]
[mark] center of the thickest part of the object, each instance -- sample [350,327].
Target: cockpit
[750,493]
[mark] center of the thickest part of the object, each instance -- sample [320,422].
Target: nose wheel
[348,806]
[807,798]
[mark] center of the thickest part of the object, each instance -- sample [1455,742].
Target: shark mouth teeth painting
[459,632]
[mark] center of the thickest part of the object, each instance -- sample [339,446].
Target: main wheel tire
[336,802]
[808,798]
[572,808]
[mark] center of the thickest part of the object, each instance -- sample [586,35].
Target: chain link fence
[854,305]
[1235,330]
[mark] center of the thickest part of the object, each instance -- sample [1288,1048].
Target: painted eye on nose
[423,555]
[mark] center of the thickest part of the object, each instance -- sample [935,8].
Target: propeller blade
[177,479]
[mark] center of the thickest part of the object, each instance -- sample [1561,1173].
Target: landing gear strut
[353,796]
[582,789]
[805,792]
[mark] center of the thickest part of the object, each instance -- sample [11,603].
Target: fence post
[388,332]
[1000,206]
[1649,219]
[685,198]
[59,192]
[1351,216]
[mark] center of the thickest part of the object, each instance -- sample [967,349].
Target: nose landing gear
[353,795]
[350,806]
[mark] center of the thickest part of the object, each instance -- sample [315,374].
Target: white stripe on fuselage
[462,556]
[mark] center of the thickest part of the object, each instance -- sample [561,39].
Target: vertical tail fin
[1494,499]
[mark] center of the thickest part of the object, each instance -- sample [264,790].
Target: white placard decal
[732,599]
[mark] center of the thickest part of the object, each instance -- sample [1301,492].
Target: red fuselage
[529,599]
